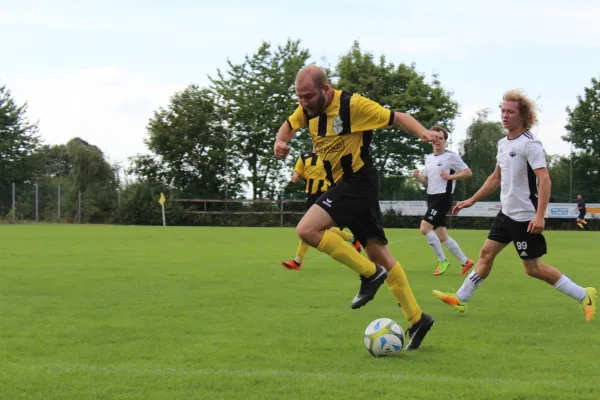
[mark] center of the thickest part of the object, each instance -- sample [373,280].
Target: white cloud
[110,106]
[447,27]
[446,47]
[107,106]
[518,22]
[38,20]
[550,132]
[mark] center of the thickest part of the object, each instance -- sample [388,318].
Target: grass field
[111,312]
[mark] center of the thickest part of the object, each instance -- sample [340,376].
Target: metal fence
[288,212]
[41,202]
[282,212]
[52,202]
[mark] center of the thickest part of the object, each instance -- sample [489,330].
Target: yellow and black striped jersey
[342,133]
[310,167]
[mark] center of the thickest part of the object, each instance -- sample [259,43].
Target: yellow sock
[584,222]
[339,250]
[302,249]
[398,284]
[344,235]
[579,225]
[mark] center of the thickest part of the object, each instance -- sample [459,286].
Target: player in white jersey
[521,162]
[442,170]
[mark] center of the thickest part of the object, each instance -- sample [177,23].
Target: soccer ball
[384,337]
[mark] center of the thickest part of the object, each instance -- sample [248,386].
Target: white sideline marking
[284,373]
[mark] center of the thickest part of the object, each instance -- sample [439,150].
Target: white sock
[455,249]
[436,245]
[468,287]
[567,286]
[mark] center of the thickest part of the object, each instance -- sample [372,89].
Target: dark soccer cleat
[369,287]
[417,332]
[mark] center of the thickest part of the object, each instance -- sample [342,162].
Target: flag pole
[161,201]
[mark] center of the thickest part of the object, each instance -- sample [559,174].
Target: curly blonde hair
[527,109]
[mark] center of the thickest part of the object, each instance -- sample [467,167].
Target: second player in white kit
[442,169]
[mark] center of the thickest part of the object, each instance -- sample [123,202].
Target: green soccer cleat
[441,267]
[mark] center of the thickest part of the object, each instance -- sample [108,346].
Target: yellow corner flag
[161,201]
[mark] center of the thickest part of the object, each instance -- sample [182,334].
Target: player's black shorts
[581,215]
[354,203]
[312,198]
[438,206]
[528,245]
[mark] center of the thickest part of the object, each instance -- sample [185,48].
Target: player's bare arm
[538,223]
[296,177]
[284,135]
[408,124]
[421,178]
[464,174]
[491,184]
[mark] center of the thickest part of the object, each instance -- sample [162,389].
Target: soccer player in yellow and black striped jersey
[310,168]
[341,125]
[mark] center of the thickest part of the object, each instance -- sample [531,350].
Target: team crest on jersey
[338,125]
[512,154]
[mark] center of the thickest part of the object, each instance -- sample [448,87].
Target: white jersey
[517,158]
[450,162]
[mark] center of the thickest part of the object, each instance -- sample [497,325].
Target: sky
[98,70]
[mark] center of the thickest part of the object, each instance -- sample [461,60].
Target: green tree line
[215,142]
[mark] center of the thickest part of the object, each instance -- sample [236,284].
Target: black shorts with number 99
[438,205]
[528,245]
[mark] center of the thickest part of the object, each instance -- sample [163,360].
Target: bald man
[341,125]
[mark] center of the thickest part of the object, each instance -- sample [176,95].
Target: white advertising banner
[489,209]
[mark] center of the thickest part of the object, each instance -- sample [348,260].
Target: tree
[53,169]
[401,187]
[95,178]
[583,121]
[18,140]
[88,164]
[140,205]
[583,127]
[148,168]
[559,168]
[400,88]
[479,152]
[256,97]
[189,146]
[586,177]
[573,176]
[53,160]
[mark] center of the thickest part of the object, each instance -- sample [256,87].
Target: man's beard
[318,107]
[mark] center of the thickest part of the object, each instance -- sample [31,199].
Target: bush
[139,206]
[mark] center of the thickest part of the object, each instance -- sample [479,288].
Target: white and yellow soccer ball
[384,337]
